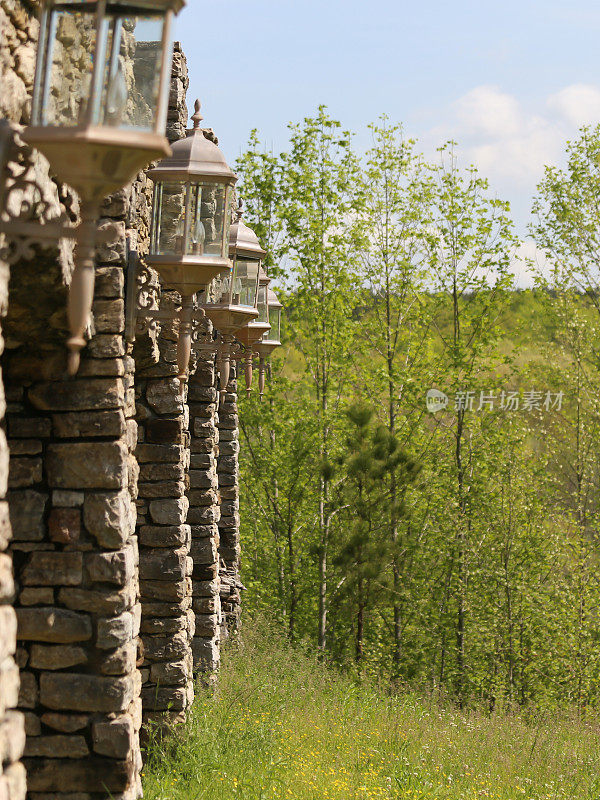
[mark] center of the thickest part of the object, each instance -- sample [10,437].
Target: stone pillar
[229,523]
[165,537]
[203,516]
[12,730]
[72,482]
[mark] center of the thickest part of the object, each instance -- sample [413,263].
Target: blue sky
[509,80]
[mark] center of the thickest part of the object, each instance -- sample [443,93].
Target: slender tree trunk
[292,580]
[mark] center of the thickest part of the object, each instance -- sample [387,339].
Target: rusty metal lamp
[191,216]
[234,295]
[99,108]
[271,339]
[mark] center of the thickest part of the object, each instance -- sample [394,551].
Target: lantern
[191,215]
[252,333]
[101,90]
[99,108]
[271,339]
[234,295]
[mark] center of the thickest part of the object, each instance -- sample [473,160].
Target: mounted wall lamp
[271,340]
[234,295]
[191,214]
[252,333]
[99,108]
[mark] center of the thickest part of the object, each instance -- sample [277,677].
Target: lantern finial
[239,212]
[196,116]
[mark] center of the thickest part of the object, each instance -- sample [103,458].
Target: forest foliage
[454,552]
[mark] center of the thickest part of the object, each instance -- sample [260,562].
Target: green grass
[281,725]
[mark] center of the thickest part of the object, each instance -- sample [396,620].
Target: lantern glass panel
[274,334]
[189,219]
[99,70]
[244,282]
[263,314]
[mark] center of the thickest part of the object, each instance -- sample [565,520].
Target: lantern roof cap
[195,156]
[263,278]
[242,239]
[273,300]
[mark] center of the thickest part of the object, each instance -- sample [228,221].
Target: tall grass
[282,725]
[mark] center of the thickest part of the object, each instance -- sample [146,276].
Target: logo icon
[436,400]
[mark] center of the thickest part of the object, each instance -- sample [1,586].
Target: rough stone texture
[15,75]
[79,476]
[164,537]
[229,523]
[203,401]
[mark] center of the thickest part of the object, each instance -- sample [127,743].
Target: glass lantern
[274,307]
[191,213]
[102,85]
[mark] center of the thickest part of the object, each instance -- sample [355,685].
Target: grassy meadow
[282,725]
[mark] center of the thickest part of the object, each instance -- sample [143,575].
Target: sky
[509,81]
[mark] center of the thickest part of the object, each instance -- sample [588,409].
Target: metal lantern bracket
[144,314]
[28,213]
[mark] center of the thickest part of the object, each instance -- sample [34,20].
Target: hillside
[284,726]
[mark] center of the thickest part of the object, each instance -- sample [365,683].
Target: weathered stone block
[78,692]
[120,661]
[57,747]
[7,586]
[98,601]
[5,527]
[77,775]
[36,595]
[26,515]
[110,518]
[163,564]
[165,589]
[62,498]
[28,690]
[65,723]
[164,431]
[166,489]
[106,346]
[56,657]
[12,737]
[53,569]
[169,512]
[24,472]
[8,632]
[81,395]
[87,424]
[33,726]
[204,551]
[165,648]
[114,631]
[164,396]
[25,447]
[64,525]
[165,536]
[160,626]
[14,779]
[115,739]
[162,472]
[9,680]
[158,698]
[29,427]
[110,281]
[170,673]
[109,315]
[116,567]
[53,625]
[162,453]
[83,465]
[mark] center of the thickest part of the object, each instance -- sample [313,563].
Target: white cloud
[511,142]
[578,104]
[485,110]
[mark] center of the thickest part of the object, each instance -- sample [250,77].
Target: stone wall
[124,510]
[229,522]
[203,516]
